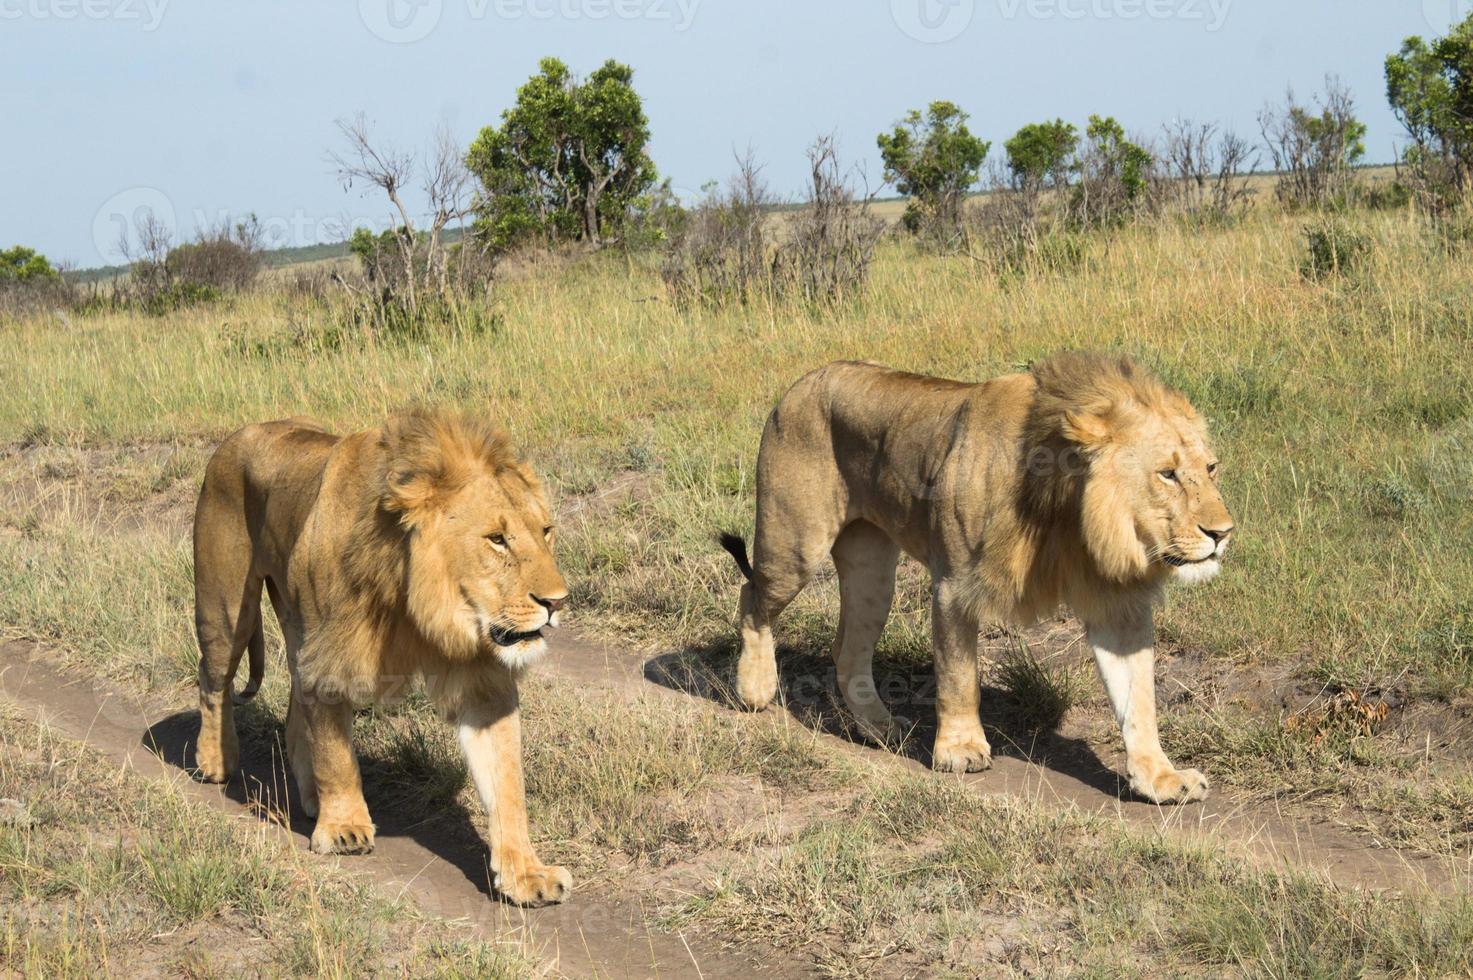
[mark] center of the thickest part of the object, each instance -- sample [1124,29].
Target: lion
[1083,482]
[421,548]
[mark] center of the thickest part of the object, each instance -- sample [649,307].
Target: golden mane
[434,452]
[1079,390]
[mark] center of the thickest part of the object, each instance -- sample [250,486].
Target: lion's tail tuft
[736,545]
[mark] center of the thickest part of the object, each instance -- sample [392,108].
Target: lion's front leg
[961,745]
[1126,657]
[490,730]
[343,824]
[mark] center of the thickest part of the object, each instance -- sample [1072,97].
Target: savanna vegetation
[1318,315]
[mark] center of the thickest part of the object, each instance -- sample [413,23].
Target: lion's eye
[1168,475]
[497,540]
[547,531]
[1211,469]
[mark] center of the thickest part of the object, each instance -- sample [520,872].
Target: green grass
[1342,408]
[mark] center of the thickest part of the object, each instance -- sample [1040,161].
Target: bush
[1010,232]
[29,282]
[1315,153]
[1430,90]
[832,240]
[221,260]
[935,161]
[568,161]
[1115,177]
[163,277]
[1334,250]
[723,252]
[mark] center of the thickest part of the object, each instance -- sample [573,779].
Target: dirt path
[594,935]
[586,937]
[1079,780]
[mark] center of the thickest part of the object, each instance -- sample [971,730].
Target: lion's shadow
[264,786]
[808,691]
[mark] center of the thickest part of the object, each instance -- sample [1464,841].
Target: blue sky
[202,109]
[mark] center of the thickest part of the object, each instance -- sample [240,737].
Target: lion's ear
[1088,430]
[406,491]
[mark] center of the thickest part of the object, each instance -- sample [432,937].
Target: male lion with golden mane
[422,548]
[1084,481]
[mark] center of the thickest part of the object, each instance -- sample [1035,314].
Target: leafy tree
[933,159]
[568,161]
[1430,89]
[1042,154]
[25,265]
[1114,174]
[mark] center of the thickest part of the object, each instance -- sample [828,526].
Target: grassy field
[1343,409]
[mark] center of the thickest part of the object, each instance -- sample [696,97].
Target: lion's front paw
[538,884]
[216,765]
[961,753]
[1169,785]
[342,837]
[884,732]
[756,681]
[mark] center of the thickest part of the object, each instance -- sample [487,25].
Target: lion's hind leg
[227,621]
[780,571]
[865,559]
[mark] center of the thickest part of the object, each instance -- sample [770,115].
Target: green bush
[1334,250]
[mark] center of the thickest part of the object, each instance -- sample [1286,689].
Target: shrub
[1430,90]
[1315,153]
[720,255]
[724,251]
[163,277]
[1115,177]
[1207,168]
[568,161]
[1334,250]
[29,282]
[832,240]
[935,161]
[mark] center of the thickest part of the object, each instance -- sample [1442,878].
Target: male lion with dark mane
[422,548]
[1084,481]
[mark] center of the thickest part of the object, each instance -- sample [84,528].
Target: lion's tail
[256,653]
[736,545]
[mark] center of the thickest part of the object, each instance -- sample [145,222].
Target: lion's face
[1161,471]
[495,542]
[482,576]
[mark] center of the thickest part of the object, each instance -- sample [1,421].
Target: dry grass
[1343,410]
[924,876]
[107,873]
[1344,413]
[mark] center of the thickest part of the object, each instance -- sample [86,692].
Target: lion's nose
[1216,534]
[551,603]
